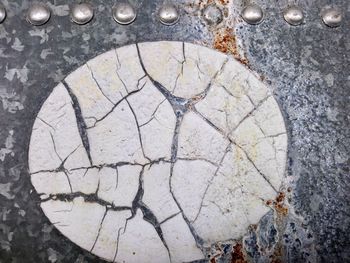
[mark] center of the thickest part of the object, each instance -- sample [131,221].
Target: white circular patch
[153,152]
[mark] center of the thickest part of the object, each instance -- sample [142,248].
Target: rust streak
[237,254]
[225,41]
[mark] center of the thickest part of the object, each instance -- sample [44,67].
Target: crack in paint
[82,128]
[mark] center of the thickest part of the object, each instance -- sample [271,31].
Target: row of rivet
[124,13]
[293,15]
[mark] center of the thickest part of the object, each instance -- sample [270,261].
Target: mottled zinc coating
[306,67]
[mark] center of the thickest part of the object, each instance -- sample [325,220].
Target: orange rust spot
[280,197]
[277,255]
[224,2]
[279,205]
[237,254]
[268,202]
[225,41]
[212,260]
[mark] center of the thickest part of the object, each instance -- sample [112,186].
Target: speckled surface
[306,67]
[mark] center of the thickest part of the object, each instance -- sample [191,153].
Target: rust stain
[237,254]
[281,212]
[225,41]
[218,254]
[278,204]
[223,2]
[276,257]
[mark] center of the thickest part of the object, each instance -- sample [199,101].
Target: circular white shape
[2,14]
[332,17]
[38,14]
[252,14]
[293,15]
[124,13]
[82,13]
[149,148]
[168,14]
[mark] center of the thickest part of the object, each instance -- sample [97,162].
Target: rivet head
[124,13]
[212,14]
[38,14]
[2,14]
[82,13]
[252,14]
[332,17]
[293,15]
[168,14]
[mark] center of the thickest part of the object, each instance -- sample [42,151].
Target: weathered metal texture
[306,67]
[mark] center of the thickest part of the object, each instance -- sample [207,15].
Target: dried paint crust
[156,151]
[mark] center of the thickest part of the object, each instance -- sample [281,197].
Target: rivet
[2,14]
[168,14]
[124,13]
[38,14]
[212,14]
[252,14]
[82,13]
[332,17]
[293,15]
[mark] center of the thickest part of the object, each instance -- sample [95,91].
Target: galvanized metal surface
[306,67]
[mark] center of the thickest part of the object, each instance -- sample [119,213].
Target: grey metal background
[306,66]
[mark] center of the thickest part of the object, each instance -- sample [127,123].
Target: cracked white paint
[153,152]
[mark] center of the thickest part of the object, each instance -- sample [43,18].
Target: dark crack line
[69,182]
[250,113]
[117,178]
[138,130]
[61,167]
[174,149]
[148,215]
[54,147]
[197,159]
[119,65]
[237,145]
[88,198]
[108,165]
[99,229]
[211,180]
[45,122]
[202,95]
[182,66]
[170,217]
[118,238]
[151,218]
[116,105]
[179,105]
[82,128]
[153,114]
[98,85]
